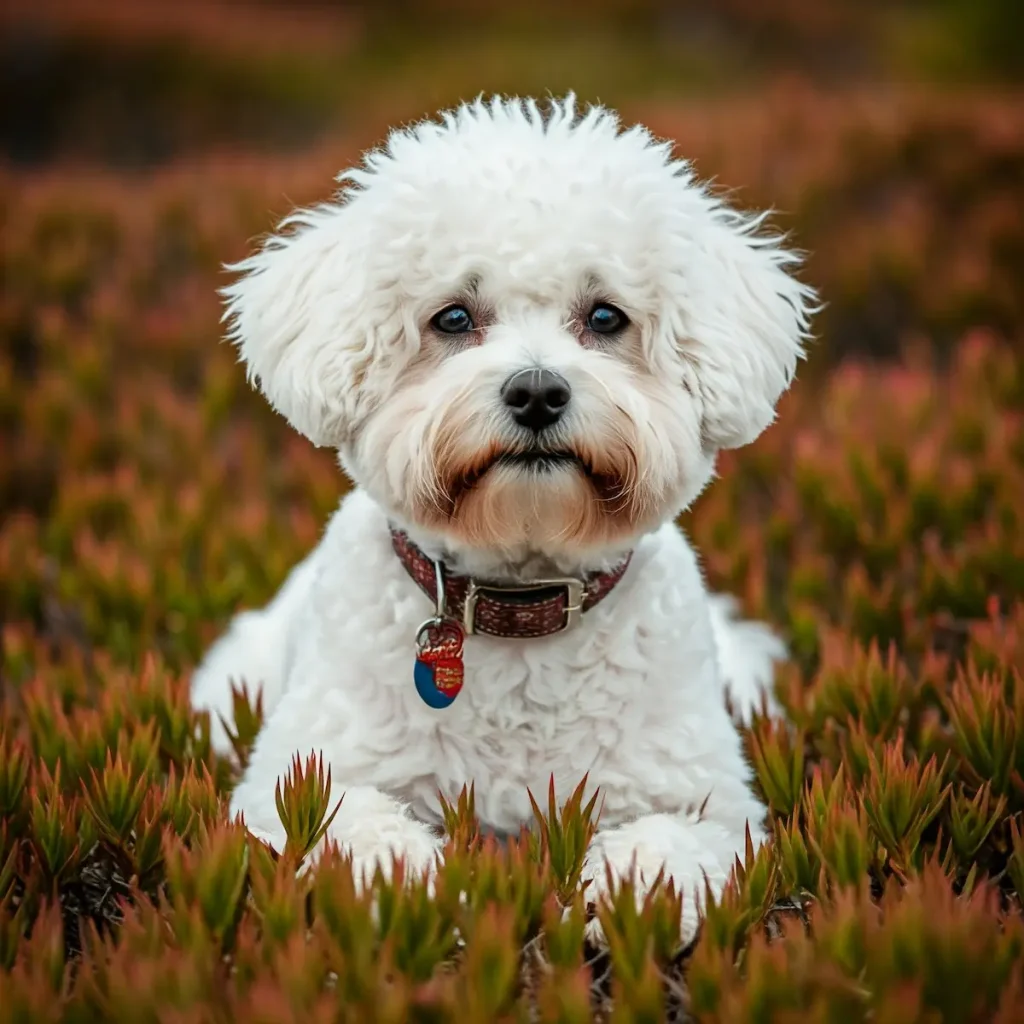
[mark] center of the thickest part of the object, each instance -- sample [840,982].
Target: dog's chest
[527,715]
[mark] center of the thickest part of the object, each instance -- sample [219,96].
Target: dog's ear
[744,321]
[295,314]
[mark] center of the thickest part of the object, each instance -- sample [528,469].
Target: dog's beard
[541,498]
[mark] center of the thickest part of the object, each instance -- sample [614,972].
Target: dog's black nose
[536,397]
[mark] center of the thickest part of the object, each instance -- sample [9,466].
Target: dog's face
[523,334]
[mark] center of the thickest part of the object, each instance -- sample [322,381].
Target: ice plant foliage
[563,835]
[303,804]
[145,495]
[247,716]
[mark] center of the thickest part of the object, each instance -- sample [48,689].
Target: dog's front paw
[641,850]
[379,843]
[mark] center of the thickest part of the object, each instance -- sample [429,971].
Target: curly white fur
[528,220]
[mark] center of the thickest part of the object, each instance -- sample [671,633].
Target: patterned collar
[533,608]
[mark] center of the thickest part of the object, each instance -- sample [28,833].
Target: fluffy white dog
[527,335]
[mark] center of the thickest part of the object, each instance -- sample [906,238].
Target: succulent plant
[878,524]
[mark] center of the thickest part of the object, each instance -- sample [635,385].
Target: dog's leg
[686,847]
[254,650]
[371,825]
[747,654]
[702,839]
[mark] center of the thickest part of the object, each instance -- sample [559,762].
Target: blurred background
[886,132]
[145,492]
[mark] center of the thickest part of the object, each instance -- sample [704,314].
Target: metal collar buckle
[574,590]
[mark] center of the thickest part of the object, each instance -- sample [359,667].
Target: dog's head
[523,332]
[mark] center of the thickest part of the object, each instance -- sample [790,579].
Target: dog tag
[438,672]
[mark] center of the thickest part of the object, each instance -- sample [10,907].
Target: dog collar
[533,608]
[463,605]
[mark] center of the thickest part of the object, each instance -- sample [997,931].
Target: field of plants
[146,494]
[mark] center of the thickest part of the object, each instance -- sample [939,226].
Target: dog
[527,333]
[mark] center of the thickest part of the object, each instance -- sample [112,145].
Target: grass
[146,494]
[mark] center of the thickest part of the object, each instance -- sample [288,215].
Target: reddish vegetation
[145,493]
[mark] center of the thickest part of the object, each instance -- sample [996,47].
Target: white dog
[527,335]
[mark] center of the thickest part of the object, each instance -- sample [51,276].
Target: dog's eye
[453,320]
[606,319]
